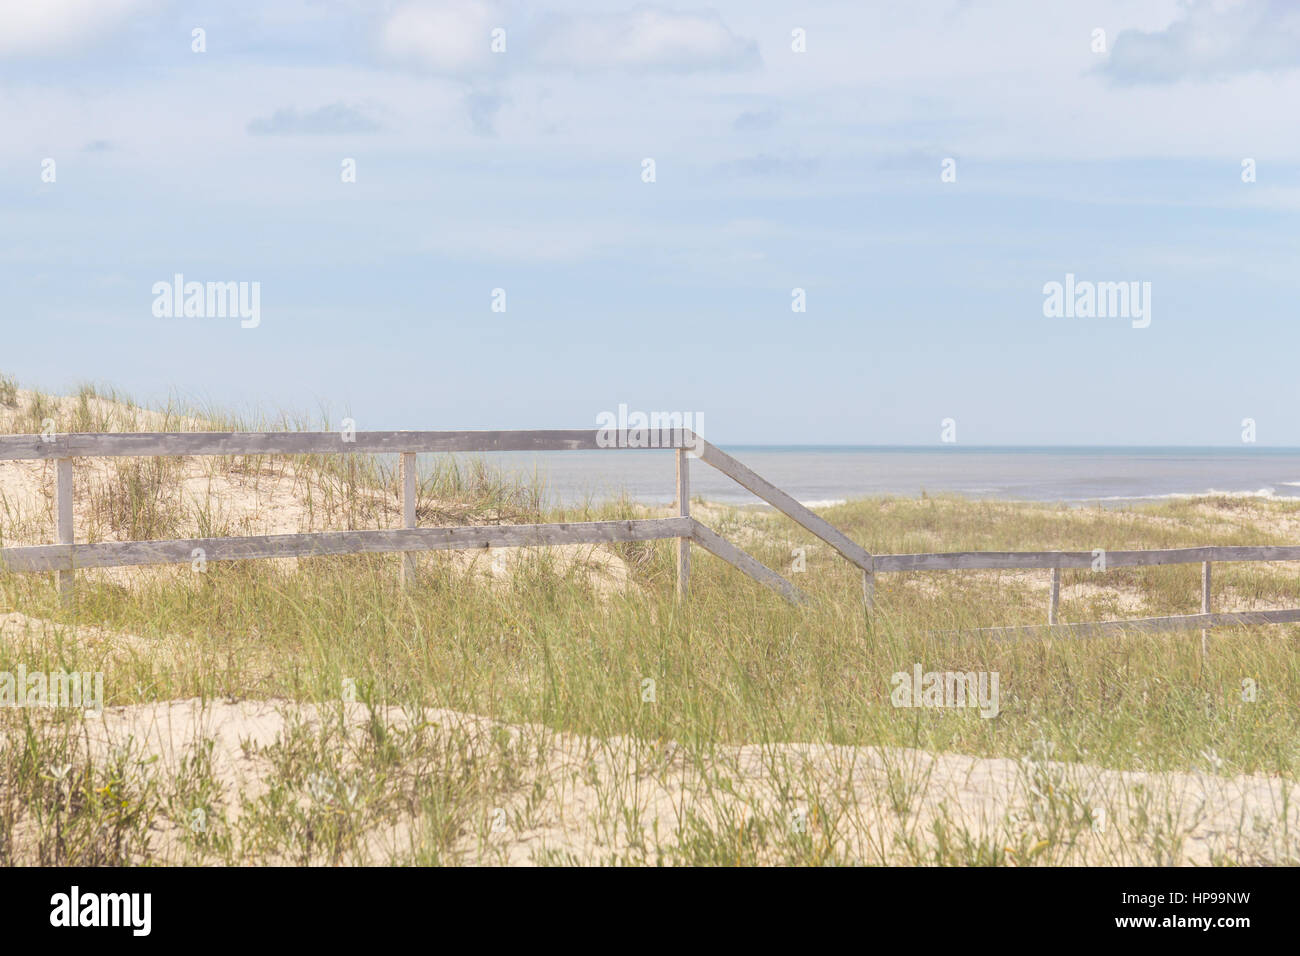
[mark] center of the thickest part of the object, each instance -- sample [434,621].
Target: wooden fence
[68,556]
[1089,560]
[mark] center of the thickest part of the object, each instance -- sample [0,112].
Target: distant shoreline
[1107,502]
[1077,476]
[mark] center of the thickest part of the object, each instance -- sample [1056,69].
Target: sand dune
[867,804]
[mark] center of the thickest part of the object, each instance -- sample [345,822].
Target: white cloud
[455,37]
[34,27]
[646,38]
[1213,39]
[445,37]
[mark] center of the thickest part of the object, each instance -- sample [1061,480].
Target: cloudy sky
[775,169]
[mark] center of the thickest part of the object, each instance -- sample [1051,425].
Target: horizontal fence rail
[68,556]
[1104,560]
[121,554]
[173,444]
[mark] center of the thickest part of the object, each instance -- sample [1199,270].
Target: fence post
[63,508]
[1054,605]
[684,511]
[1205,607]
[408,514]
[869,589]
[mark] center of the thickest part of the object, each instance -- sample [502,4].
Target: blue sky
[775,170]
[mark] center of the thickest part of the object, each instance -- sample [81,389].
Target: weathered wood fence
[68,556]
[1089,560]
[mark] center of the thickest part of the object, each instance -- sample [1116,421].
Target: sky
[922,171]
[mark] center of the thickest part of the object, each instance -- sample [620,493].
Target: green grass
[732,666]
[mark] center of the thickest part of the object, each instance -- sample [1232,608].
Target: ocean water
[819,475]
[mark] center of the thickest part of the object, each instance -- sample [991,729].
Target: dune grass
[732,666]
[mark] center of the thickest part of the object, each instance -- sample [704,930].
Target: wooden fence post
[683,511]
[1205,607]
[63,509]
[408,514]
[1054,605]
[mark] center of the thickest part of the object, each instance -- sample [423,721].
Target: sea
[823,475]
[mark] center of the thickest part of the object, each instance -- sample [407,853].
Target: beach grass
[650,685]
